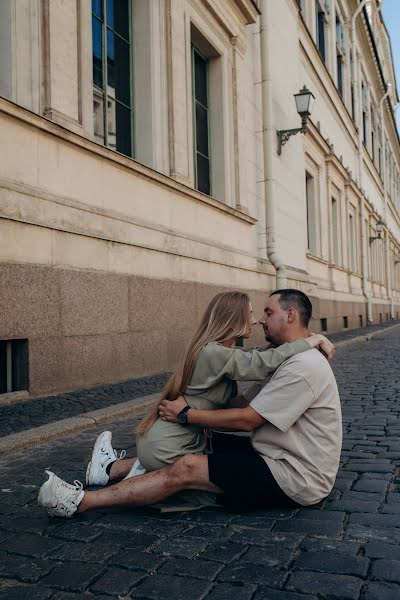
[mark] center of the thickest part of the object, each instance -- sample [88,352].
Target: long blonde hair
[226,317]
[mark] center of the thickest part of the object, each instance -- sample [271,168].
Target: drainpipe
[269,144]
[387,249]
[364,266]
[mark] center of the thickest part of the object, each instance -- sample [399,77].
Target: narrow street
[347,547]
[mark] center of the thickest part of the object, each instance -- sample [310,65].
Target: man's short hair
[289,298]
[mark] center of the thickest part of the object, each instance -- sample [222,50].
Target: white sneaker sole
[92,477]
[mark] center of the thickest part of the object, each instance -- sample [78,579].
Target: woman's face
[252,322]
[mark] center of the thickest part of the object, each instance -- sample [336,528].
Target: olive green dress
[212,385]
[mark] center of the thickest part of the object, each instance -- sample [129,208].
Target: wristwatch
[182,417]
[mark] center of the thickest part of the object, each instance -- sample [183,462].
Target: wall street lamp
[379,229]
[304,100]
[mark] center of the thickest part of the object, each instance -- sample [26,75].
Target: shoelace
[121,455]
[78,484]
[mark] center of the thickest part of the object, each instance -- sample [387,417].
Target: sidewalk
[29,422]
[347,547]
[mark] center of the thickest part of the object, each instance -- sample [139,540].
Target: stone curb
[117,412]
[364,338]
[56,429]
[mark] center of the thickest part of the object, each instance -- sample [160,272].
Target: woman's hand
[317,340]
[169,409]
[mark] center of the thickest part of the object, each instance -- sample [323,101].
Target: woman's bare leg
[189,472]
[120,468]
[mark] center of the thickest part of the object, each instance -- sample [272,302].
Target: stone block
[259,538]
[322,528]
[340,587]
[222,552]
[253,574]
[338,547]
[73,576]
[181,547]
[225,591]
[74,531]
[269,557]
[26,569]
[374,534]
[370,485]
[117,581]
[21,592]
[136,560]
[381,591]
[376,520]
[30,301]
[179,588]
[381,550]
[386,569]
[191,568]
[93,303]
[35,546]
[328,562]
[352,506]
[92,553]
[268,594]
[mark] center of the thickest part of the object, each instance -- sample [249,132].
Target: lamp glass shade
[304,101]
[379,227]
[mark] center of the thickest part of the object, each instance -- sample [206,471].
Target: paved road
[348,547]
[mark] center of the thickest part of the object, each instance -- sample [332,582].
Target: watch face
[182,418]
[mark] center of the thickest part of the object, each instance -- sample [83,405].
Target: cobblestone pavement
[347,547]
[40,411]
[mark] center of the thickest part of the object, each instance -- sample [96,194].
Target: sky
[391,16]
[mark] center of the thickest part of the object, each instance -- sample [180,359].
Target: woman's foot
[103,455]
[60,498]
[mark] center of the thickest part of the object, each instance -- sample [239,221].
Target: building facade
[139,175]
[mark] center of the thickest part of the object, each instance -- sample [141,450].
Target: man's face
[274,320]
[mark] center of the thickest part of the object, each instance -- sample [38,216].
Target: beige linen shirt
[302,438]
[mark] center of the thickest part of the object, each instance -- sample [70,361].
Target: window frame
[195,50]
[320,9]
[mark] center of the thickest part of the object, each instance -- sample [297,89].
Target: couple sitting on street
[292,456]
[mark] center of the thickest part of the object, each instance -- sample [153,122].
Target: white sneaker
[103,454]
[136,469]
[60,498]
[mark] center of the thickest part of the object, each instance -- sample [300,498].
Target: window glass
[112,75]
[201,122]
[203,174]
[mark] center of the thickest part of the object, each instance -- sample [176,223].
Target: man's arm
[230,419]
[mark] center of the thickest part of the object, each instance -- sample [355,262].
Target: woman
[206,376]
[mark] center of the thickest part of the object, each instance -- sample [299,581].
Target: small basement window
[14,372]
[324,325]
[345,322]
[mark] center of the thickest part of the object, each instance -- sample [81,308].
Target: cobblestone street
[347,547]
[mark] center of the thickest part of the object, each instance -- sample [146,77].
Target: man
[291,460]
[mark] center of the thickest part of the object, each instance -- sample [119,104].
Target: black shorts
[246,481]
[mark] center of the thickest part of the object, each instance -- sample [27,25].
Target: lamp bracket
[378,237]
[285,134]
